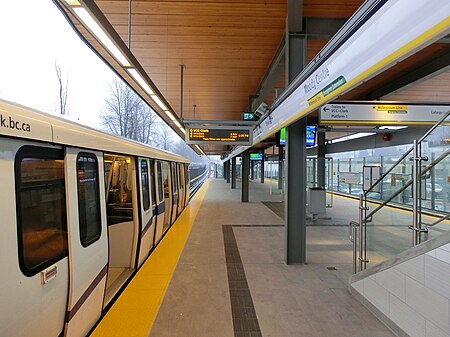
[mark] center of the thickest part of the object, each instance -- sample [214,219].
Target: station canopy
[232,53]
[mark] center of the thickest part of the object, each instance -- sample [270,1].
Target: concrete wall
[414,294]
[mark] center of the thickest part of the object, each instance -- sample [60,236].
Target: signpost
[387,113]
[224,135]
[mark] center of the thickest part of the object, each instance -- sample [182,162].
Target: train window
[165,172]
[119,194]
[144,184]
[160,182]
[41,208]
[152,181]
[88,199]
[174,177]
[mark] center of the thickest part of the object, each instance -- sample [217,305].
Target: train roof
[23,122]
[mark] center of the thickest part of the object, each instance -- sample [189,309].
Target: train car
[81,211]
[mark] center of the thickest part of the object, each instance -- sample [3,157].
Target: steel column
[252,170]
[262,169]
[280,167]
[245,176]
[228,171]
[321,159]
[233,173]
[296,192]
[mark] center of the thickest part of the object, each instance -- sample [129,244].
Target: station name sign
[236,135]
[388,113]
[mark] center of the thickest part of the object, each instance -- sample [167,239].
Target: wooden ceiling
[226,46]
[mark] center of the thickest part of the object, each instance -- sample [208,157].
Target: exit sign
[248,116]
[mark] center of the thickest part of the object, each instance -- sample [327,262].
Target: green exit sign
[248,116]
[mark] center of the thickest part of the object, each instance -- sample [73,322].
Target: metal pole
[416,181]
[361,219]
[129,24]
[182,66]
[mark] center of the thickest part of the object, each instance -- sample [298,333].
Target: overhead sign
[248,116]
[383,114]
[237,135]
[370,50]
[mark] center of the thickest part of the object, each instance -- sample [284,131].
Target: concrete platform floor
[207,295]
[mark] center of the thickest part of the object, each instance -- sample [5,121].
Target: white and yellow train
[81,211]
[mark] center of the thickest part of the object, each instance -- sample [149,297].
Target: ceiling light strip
[95,28]
[138,78]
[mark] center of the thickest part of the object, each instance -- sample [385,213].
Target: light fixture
[159,102]
[73,2]
[171,116]
[94,27]
[182,130]
[134,73]
[391,127]
[177,124]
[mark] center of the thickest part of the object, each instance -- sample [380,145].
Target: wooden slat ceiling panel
[226,47]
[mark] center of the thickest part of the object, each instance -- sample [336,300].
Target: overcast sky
[34,34]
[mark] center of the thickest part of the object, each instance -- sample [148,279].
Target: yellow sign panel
[390,107]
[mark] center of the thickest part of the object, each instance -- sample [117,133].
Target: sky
[35,35]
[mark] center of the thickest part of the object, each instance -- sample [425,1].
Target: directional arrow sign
[381,113]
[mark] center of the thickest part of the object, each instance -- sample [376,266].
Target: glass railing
[410,203]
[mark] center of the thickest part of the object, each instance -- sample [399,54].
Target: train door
[33,241]
[147,208]
[160,202]
[174,183]
[182,188]
[168,197]
[88,241]
[188,183]
[122,219]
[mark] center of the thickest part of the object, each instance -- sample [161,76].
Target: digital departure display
[219,134]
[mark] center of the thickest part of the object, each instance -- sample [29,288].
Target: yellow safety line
[134,312]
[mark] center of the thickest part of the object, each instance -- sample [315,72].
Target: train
[82,210]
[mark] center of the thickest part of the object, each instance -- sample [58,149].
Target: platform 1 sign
[381,114]
[237,135]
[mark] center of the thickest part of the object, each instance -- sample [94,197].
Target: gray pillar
[262,169]
[245,175]
[233,173]
[296,192]
[295,142]
[228,171]
[280,167]
[321,151]
[225,170]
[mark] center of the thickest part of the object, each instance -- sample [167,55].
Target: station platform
[220,271]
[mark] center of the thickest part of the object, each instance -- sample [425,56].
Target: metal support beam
[296,192]
[252,170]
[245,176]
[321,159]
[228,171]
[295,203]
[262,169]
[233,173]
[280,167]
[437,65]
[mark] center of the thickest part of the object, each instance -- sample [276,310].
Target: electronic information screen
[237,135]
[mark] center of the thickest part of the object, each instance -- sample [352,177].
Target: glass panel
[160,183]
[42,213]
[119,206]
[152,181]
[144,185]
[88,200]
[434,187]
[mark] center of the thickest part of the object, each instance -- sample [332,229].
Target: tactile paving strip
[245,322]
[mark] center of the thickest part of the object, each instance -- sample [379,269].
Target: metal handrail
[409,182]
[408,152]
[417,174]
[437,221]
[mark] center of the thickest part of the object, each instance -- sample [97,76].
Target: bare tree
[164,139]
[126,114]
[63,90]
